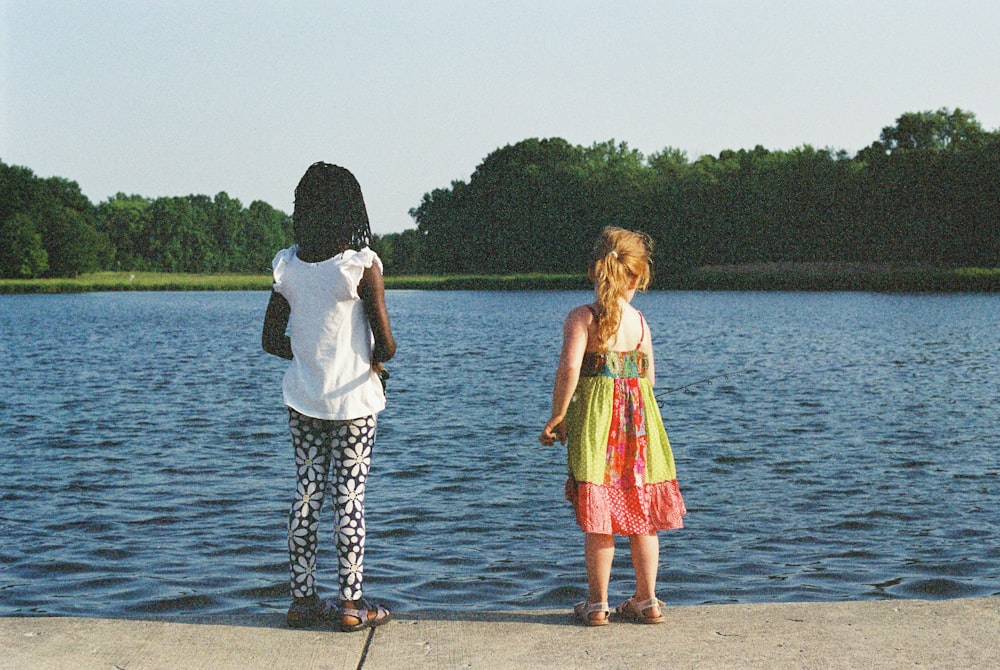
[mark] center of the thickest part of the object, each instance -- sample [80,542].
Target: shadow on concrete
[538,617]
[277,619]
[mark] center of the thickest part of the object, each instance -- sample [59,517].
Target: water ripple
[857,460]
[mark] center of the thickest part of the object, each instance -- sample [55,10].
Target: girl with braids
[329,295]
[621,470]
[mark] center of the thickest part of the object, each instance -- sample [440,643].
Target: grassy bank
[137,281]
[516,282]
[155,281]
[836,277]
[756,277]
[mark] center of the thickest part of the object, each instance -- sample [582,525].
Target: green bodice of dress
[589,417]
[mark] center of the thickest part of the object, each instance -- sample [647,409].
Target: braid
[329,203]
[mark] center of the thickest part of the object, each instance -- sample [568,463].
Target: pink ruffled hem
[633,511]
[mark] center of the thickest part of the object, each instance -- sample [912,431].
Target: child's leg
[646,562]
[311,441]
[599,553]
[353,441]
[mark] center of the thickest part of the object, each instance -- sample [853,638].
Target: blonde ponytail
[621,263]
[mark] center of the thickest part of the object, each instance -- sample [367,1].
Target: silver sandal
[632,610]
[583,610]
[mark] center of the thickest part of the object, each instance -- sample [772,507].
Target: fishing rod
[706,380]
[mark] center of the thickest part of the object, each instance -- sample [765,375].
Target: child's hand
[554,429]
[382,373]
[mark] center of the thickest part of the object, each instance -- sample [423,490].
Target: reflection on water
[851,453]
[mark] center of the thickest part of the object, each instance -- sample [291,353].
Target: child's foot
[592,614]
[359,615]
[310,611]
[647,611]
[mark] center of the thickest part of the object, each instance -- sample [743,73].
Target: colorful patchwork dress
[621,469]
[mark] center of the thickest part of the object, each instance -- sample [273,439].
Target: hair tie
[613,253]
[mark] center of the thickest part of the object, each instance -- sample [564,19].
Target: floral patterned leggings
[344,447]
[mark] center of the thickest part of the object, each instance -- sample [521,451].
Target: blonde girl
[622,479]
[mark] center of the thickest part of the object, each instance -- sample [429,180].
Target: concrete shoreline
[961,633]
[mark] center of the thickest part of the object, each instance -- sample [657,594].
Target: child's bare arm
[575,337]
[647,348]
[273,339]
[372,292]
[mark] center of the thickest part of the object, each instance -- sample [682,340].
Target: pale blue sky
[175,97]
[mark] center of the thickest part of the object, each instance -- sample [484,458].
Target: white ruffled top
[330,375]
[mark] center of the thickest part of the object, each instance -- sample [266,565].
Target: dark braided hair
[330,209]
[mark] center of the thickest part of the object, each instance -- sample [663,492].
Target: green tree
[940,130]
[440,219]
[515,214]
[20,190]
[125,220]
[22,255]
[265,230]
[72,244]
[225,222]
[401,253]
[175,241]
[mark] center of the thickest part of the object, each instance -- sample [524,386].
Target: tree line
[48,228]
[927,192]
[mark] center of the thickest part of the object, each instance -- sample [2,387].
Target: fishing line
[706,380]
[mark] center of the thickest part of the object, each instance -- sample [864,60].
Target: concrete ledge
[962,633]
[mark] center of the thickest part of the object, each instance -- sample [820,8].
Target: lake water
[853,452]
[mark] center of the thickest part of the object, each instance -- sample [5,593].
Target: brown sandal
[309,612]
[363,615]
[632,610]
